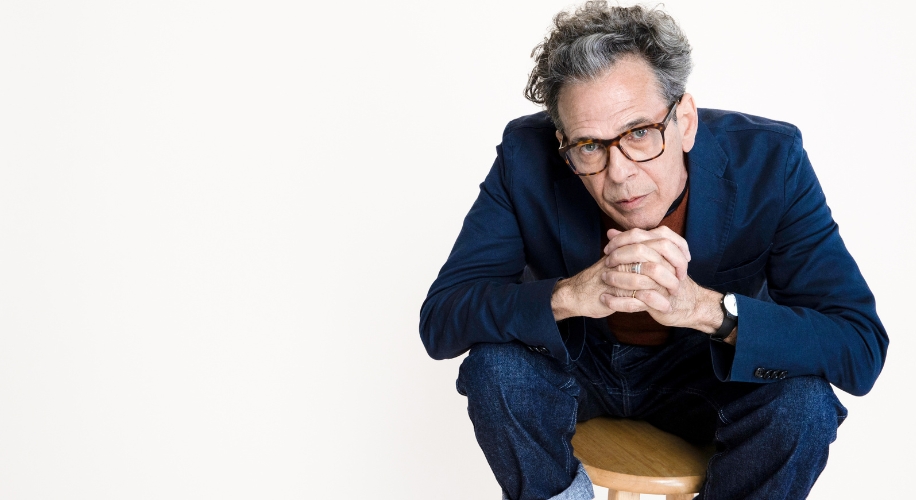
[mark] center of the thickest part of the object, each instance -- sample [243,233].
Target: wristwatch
[729,307]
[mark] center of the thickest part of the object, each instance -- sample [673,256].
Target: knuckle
[641,248]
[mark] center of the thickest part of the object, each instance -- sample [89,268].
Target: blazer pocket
[744,270]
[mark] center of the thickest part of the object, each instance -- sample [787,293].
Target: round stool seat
[633,456]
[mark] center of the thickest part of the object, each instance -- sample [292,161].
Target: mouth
[630,203]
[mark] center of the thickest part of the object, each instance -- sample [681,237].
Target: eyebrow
[630,125]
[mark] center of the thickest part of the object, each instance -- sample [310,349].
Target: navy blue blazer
[757,225]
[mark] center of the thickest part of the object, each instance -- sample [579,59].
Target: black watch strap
[729,322]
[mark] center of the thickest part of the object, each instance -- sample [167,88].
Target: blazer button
[783,374]
[541,349]
[770,374]
[760,373]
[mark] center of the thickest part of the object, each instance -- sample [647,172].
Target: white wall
[218,221]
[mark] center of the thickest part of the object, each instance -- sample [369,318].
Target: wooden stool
[630,457]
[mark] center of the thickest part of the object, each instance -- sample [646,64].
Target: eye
[589,148]
[638,134]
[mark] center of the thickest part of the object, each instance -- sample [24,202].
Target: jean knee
[489,366]
[504,370]
[806,408]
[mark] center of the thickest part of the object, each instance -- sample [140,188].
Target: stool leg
[621,495]
[680,496]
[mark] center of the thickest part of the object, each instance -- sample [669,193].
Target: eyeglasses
[643,143]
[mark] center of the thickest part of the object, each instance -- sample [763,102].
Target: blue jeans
[771,439]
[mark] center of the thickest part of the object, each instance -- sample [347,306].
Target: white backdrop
[218,221]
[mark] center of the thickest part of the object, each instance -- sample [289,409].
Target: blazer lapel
[579,224]
[710,207]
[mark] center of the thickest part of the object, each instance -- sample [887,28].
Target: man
[632,255]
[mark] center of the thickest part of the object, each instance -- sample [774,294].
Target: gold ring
[634,295]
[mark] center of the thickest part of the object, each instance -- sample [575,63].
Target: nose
[620,168]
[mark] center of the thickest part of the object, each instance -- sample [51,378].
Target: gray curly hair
[583,45]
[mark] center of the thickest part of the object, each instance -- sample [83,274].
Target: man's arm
[822,320]
[477,296]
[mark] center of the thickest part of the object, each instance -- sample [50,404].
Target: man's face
[633,194]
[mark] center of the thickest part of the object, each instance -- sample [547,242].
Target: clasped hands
[662,286]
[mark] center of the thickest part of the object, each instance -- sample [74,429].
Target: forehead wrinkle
[622,98]
[600,124]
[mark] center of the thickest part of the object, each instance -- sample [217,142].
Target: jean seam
[572,428]
[620,352]
[616,354]
[720,411]
[569,383]
[710,462]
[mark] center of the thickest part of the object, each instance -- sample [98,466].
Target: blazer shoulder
[722,121]
[530,138]
[538,124]
[528,152]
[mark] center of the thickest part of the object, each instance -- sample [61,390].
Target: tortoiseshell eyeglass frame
[609,143]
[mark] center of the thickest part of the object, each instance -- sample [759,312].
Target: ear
[687,121]
[560,137]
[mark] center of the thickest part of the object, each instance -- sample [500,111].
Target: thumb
[610,236]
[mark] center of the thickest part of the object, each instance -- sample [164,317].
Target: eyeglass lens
[638,145]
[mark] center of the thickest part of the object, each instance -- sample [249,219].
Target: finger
[671,253]
[623,304]
[678,240]
[636,253]
[617,239]
[620,292]
[628,267]
[654,300]
[664,275]
[630,281]
[652,275]
[663,248]
[611,234]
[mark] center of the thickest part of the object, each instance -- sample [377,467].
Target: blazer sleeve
[479,295]
[822,318]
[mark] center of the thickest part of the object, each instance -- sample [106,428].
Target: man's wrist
[707,316]
[560,301]
[732,338]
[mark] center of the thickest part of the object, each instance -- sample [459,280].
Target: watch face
[731,305]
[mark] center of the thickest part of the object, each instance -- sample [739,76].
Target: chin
[642,221]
